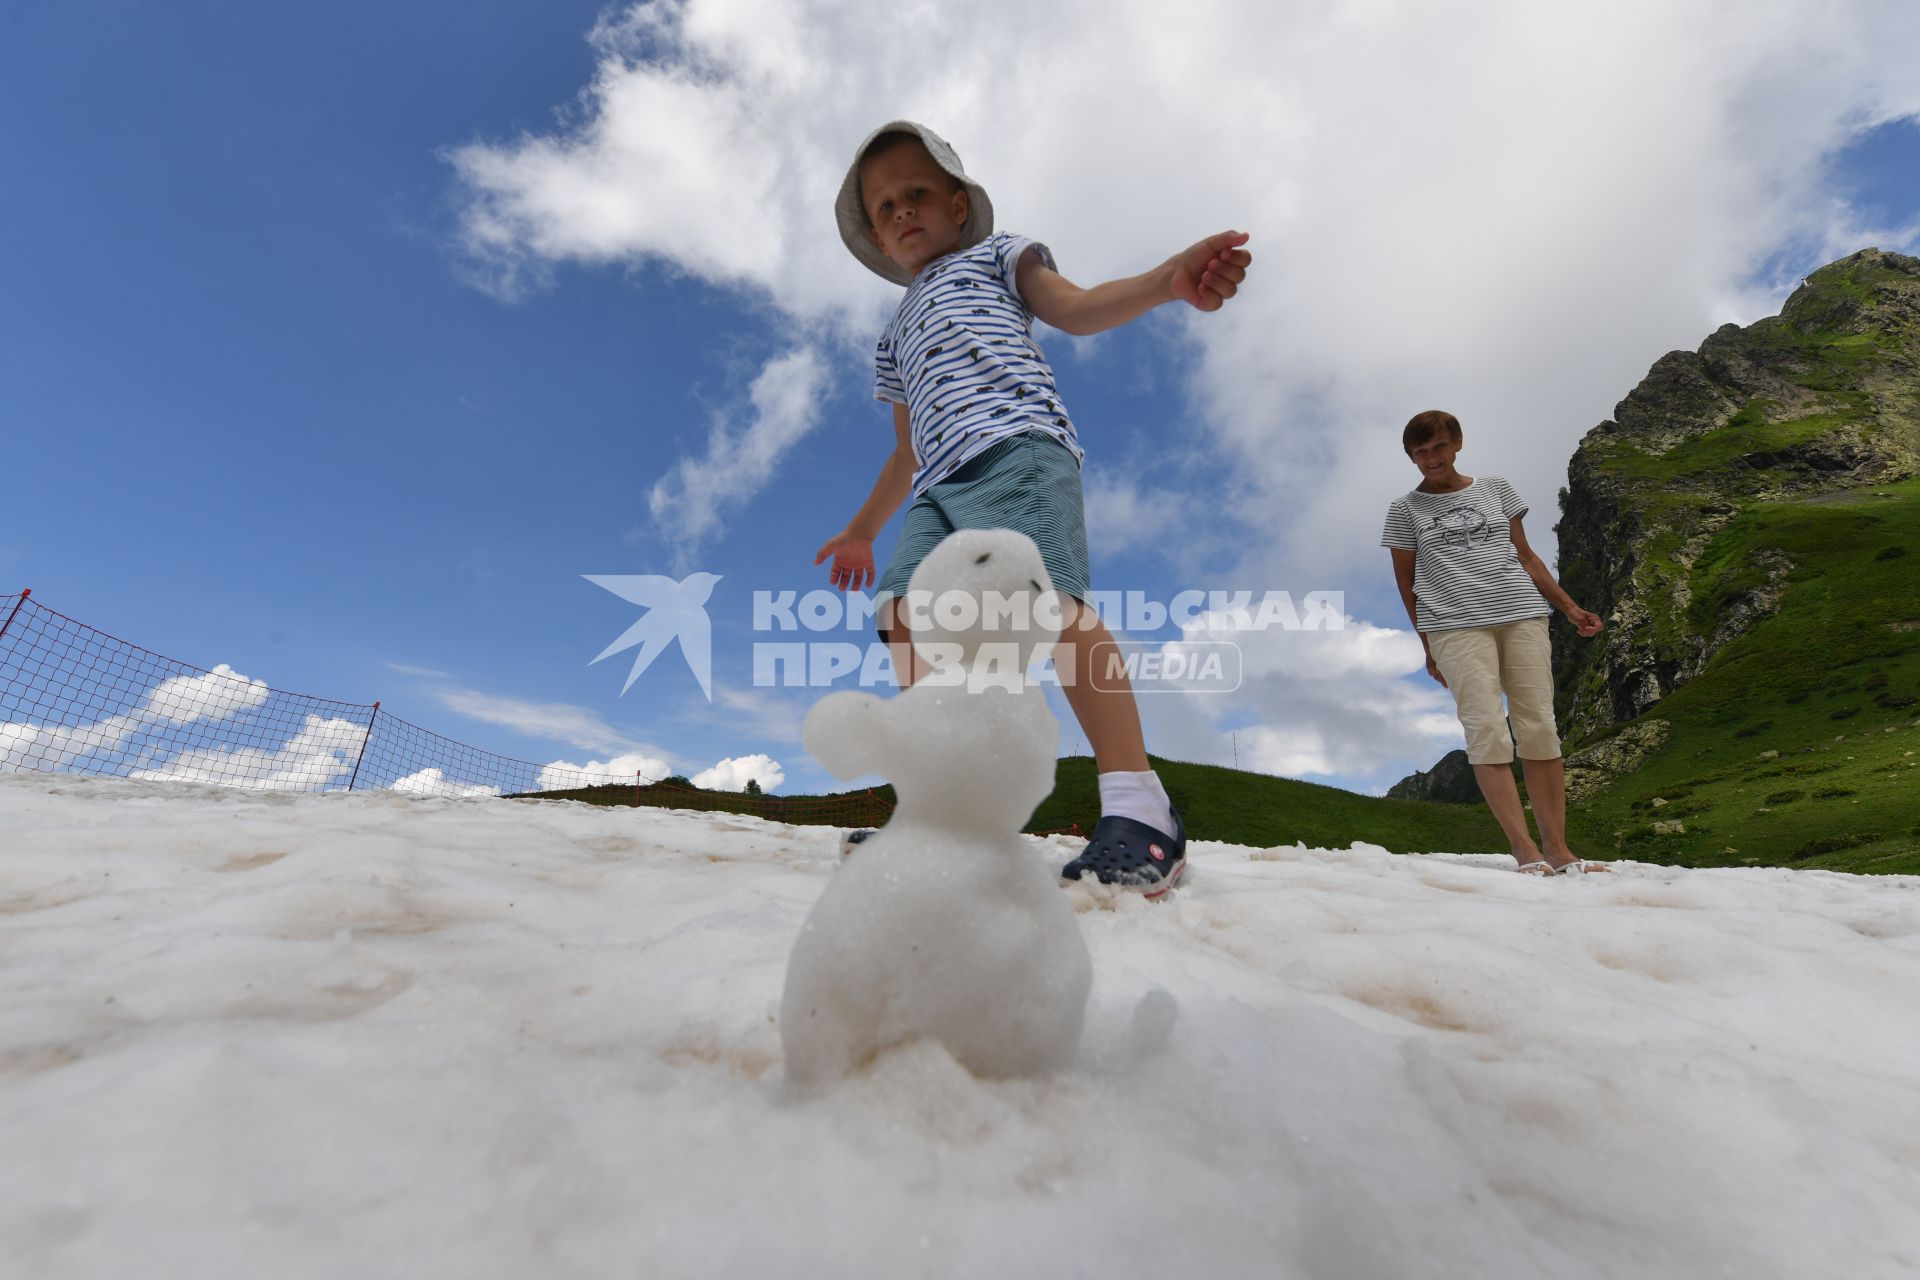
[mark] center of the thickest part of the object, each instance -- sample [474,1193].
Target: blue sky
[261,402]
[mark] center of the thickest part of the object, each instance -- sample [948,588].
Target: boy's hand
[1208,273]
[1433,669]
[1587,624]
[852,561]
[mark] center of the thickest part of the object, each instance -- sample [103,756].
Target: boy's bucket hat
[853,216]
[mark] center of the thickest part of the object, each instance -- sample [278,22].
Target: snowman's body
[943,925]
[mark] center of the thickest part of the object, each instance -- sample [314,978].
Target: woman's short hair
[1423,427]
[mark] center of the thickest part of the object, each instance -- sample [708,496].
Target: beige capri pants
[1480,662]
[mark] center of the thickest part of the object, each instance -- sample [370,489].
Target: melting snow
[248,1034]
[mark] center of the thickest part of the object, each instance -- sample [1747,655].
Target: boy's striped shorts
[1030,483]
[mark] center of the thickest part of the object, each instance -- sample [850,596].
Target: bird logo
[674,611]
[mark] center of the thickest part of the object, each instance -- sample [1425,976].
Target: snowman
[944,925]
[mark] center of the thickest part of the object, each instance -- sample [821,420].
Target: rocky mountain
[1450,781]
[1822,398]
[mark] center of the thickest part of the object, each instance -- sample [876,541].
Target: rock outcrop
[1593,767]
[1821,398]
[1450,781]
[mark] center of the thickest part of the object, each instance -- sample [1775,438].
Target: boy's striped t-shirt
[1466,570]
[960,355]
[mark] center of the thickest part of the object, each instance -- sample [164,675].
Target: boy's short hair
[850,203]
[1423,427]
[888,141]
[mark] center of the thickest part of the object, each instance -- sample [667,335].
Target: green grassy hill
[1217,803]
[1750,524]
[1257,809]
[1799,744]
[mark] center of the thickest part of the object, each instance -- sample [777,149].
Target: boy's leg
[1104,705]
[1101,695]
[1031,483]
[1139,841]
[1102,699]
[922,529]
[907,666]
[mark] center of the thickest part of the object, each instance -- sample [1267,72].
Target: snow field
[246,1034]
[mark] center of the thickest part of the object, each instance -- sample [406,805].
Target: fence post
[363,747]
[24,593]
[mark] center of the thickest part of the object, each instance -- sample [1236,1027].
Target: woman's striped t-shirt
[960,355]
[1466,570]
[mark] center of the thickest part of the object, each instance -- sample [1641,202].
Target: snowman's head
[983,594]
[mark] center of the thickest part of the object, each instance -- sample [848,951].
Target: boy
[1478,595]
[984,441]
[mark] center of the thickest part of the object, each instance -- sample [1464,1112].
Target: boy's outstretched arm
[852,547]
[1203,275]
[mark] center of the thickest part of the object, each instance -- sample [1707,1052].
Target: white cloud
[433,782]
[765,713]
[1356,649]
[709,141]
[28,748]
[220,694]
[1351,704]
[690,501]
[733,773]
[559,721]
[1122,514]
[633,766]
[321,754]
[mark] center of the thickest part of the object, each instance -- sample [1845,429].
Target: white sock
[1138,796]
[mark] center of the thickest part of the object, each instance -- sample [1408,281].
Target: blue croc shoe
[1133,854]
[851,840]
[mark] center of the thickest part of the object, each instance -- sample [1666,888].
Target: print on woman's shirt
[1462,526]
